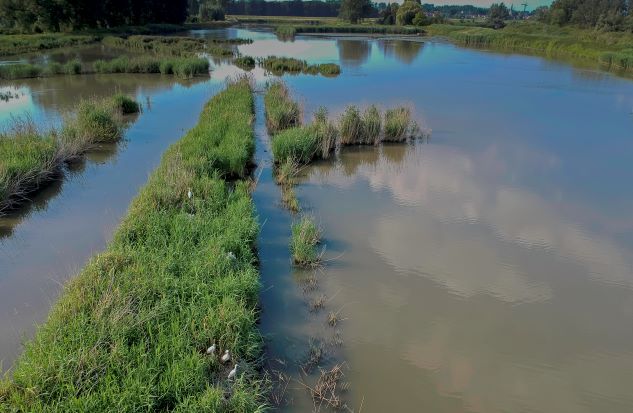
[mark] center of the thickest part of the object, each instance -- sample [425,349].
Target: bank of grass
[129,332]
[175,45]
[29,158]
[610,50]
[282,112]
[183,67]
[280,65]
[298,144]
[286,31]
[304,241]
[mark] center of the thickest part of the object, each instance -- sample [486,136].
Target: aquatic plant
[289,198]
[372,126]
[299,144]
[350,126]
[305,237]
[399,126]
[13,44]
[245,62]
[280,65]
[282,112]
[183,67]
[286,171]
[325,131]
[125,104]
[29,157]
[129,332]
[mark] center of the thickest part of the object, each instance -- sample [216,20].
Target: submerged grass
[282,112]
[29,158]
[129,333]
[305,237]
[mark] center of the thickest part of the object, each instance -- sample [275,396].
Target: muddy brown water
[487,269]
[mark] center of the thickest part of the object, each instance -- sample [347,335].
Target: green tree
[497,14]
[406,12]
[354,10]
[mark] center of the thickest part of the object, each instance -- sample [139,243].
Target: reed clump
[28,70]
[183,67]
[280,65]
[350,126]
[326,133]
[129,332]
[29,158]
[245,62]
[282,112]
[299,144]
[304,241]
[399,126]
[124,104]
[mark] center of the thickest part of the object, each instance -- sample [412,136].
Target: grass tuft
[281,111]
[306,235]
[298,144]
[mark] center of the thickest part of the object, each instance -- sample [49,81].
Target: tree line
[604,15]
[59,15]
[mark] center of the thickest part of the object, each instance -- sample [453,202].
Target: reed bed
[286,31]
[183,67]
[30,158]
[282,112]
[326,133]
[28,70]
[304,241]
[13,44]
[609,50]
[298,144]
[175,45]
[245,62]
[129,332]
[280,65]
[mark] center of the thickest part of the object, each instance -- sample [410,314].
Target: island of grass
[29,158]
[129,333]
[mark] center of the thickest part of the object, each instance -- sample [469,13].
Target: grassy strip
[183,67]
[13,44]
[281,65]
[282,112]
[175,45]
[613,51]
[305,237]
[129,333]
[29,158]
[286,31]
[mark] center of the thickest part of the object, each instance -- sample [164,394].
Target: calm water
[486,270]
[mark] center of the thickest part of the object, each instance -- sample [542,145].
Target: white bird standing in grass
[232,373]
[226,356]
[211,350]
[231,256]
[189,193]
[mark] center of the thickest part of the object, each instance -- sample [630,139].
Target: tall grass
[285,30]
[129,332]
[183,67]
[280,65]
[175,45]
[325,131]
[305,237]
[245,62]
[282,112]
[399,126]
[608,49]
[28,70]
[298,144]
[350,126]
[29,158]
[13,44]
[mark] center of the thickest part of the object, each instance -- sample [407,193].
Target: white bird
[226,356]
[232,373]
[231,256]
[211,350]
[189,193]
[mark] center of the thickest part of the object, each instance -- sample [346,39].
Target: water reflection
[353,52]
[488,297]
[404,50]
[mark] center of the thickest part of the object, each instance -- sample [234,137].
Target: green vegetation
[306,235]
[129,333]
[245,62]
[282,112]
[609,50]
[298,144]
[11,44]
[398,125]
[175,45]
[281,65]
[325,131]
[288,31]
[183,67]
[30,158]
[350,126]
[28,70]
